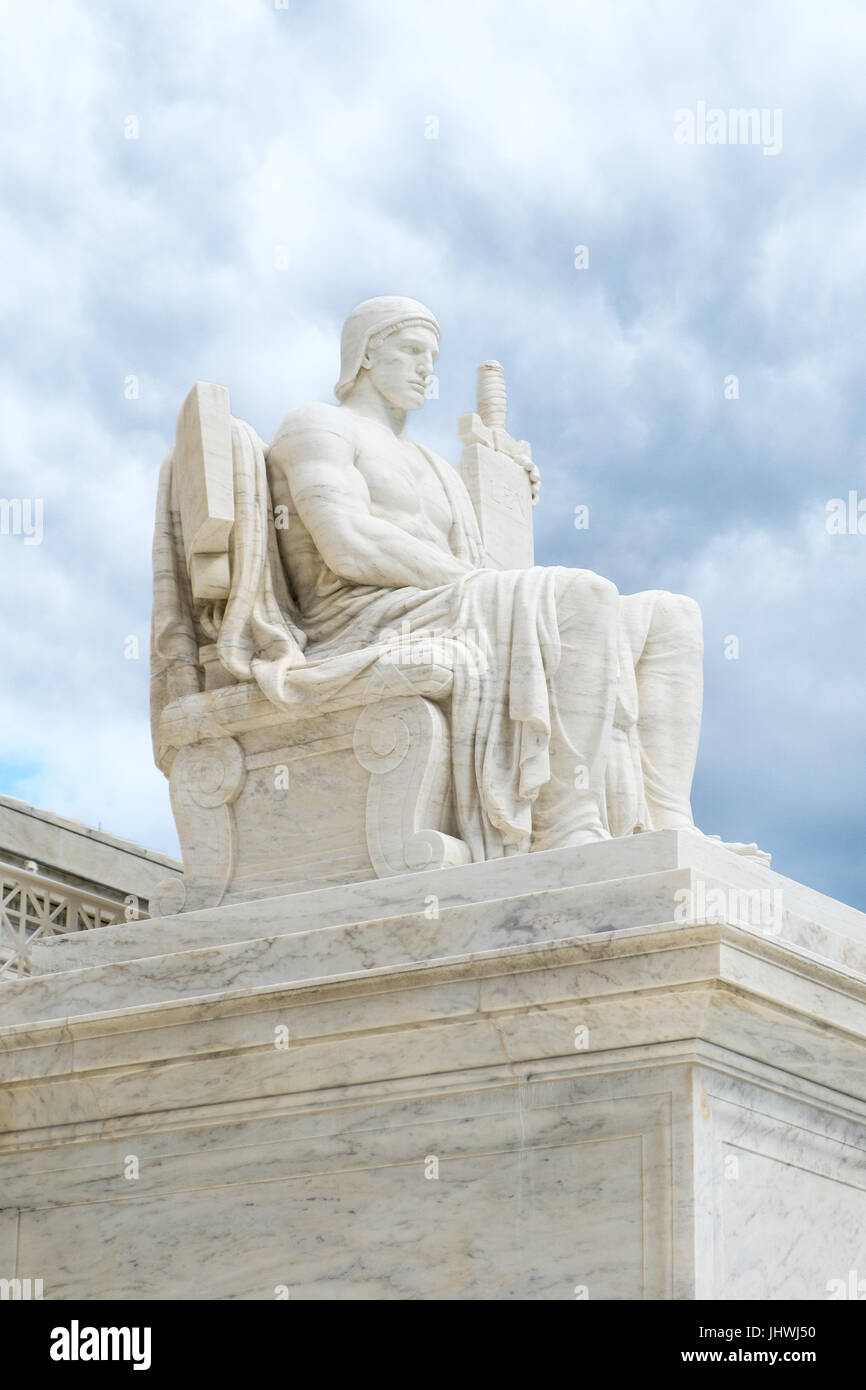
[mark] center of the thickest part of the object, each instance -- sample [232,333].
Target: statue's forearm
[370,550]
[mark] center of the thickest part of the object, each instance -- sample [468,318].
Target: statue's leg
[663,632]
[582,692]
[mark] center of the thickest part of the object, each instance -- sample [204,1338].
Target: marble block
[500,477]
[79,853]
[500,494]
[205,488]
[635,1070]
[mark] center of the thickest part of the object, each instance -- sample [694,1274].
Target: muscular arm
[333,501]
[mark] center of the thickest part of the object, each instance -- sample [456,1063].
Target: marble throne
[267,802]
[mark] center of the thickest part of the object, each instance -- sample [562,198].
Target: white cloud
[304,128]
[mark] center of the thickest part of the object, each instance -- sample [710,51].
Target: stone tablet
[495,479]
[501,496]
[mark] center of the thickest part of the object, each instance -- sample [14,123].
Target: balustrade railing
[34,905]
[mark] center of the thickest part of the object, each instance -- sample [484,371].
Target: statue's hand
[522,454]
[472,430]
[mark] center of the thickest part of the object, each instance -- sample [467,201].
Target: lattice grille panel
[34,905]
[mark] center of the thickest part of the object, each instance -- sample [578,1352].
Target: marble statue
[347,589]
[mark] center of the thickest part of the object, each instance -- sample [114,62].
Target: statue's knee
[604,588]
[584,584]
[678,612]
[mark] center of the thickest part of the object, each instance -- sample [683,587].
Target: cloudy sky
[283,171]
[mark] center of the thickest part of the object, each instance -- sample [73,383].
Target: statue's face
[401,365]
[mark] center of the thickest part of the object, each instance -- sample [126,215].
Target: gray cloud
[304,129]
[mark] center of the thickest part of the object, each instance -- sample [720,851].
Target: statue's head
[393,343]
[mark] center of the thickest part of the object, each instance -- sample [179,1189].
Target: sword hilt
[492,398]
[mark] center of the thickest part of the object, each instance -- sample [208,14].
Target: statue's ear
[366,360]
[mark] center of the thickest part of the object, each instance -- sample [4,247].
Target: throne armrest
[243,708]
[205,486]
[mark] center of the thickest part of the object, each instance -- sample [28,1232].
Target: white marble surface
[780,1193]
[589,1177]
[536,1194]
[500,476]
[581,1085]
[53,842]
[621,859]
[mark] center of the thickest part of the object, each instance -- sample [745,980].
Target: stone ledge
[465,886]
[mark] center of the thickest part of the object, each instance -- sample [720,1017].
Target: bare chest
[402,482]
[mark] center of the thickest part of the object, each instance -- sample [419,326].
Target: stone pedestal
[632,1071]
